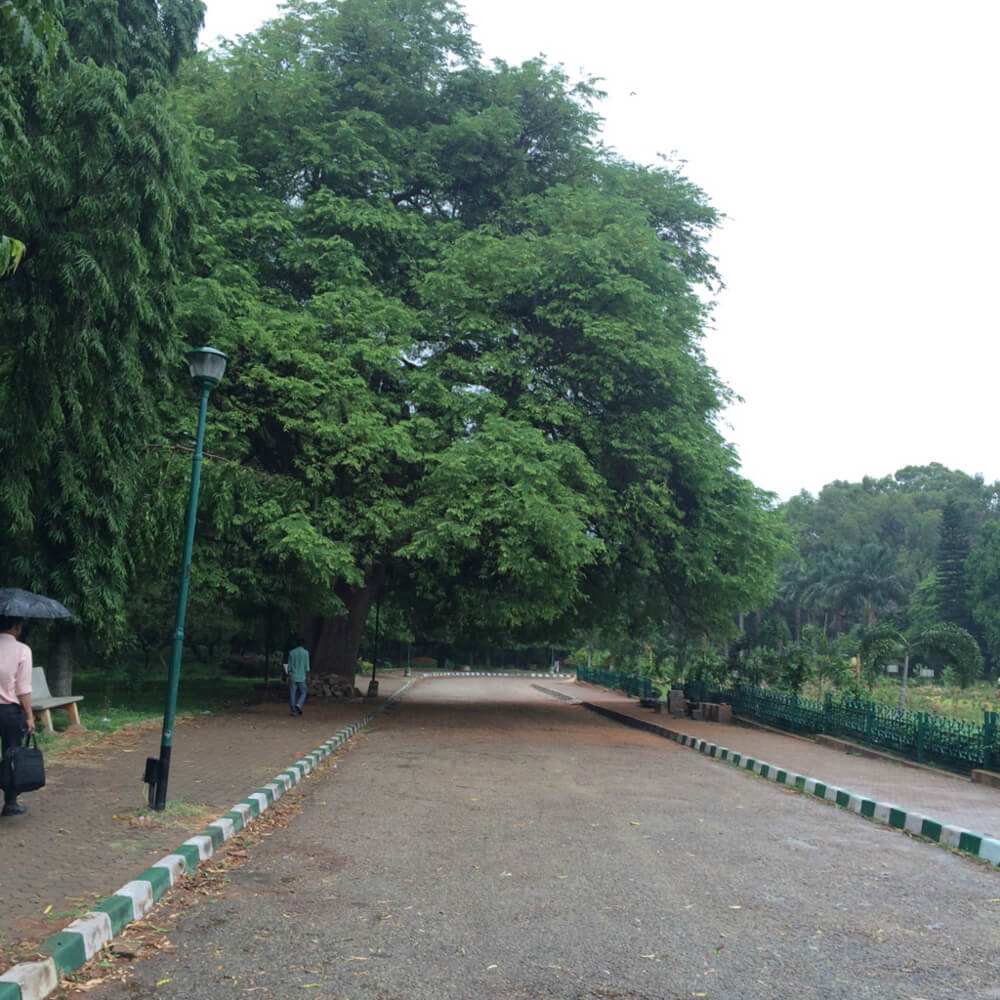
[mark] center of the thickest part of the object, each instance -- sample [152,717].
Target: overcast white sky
[854,149]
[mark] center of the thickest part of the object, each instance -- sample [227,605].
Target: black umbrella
[15,603]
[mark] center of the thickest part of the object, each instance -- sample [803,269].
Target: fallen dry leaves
[147,937]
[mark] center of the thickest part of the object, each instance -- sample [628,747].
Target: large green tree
[868,581]
[464,339]
[101,191]
[31,32]
[983,577]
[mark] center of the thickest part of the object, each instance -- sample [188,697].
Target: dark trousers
[13,726]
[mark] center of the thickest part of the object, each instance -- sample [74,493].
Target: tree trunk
[335,642]
[902,683]
[267,645]
[62,659]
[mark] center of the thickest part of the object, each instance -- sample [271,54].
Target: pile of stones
[330,686]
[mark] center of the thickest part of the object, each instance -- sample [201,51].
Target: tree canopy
[465,365]
[101,190]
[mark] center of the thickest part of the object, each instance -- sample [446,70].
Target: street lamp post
[207,368]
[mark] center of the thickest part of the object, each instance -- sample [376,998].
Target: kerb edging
[72,947]
[978,845]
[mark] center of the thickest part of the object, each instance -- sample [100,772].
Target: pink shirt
[15,669]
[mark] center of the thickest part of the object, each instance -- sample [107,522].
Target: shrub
[707,666]
[949,676]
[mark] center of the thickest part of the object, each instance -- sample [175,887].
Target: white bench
[43,701]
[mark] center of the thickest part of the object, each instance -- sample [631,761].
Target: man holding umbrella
[16,716]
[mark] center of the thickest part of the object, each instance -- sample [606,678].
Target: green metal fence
[952,743]
[632,684]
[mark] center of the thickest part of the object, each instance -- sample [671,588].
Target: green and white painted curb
[72,947]
[976,844]
[497,673]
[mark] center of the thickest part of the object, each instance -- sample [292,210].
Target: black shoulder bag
[22,768]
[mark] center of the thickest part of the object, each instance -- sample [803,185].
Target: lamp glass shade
[207,364]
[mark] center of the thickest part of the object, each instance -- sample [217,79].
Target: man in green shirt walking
[298,667]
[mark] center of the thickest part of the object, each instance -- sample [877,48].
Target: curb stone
[499,673]
[74,946]
[572,699]
[978,845]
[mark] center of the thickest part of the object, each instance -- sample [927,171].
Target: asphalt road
[486,840]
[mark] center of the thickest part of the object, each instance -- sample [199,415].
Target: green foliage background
[910,557]
[465,377]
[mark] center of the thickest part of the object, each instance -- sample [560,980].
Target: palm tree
[793,588]
[867,580]
[884,643]
[825,590]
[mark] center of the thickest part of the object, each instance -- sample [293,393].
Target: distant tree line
[879,563]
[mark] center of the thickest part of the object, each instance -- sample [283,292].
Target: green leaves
[506,511]
[885,644]
[488,381]
[101,190]
[956,645]
[11,252]
[464,360]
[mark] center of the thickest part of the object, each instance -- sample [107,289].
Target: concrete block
[94,929]
[261,799]
[33,979]
[990,778]
[175,864]
[204,845]
[989,849]
[227,827]
[141,894]
[951,835]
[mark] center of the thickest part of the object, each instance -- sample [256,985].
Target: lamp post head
[207,366]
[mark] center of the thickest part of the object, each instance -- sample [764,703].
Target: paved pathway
[941,796]
[83,838]
[486,841]
[84,835]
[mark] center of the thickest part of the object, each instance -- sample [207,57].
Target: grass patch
[200,689]
[177,812]
[110,706]
[949,702]
[112,718]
